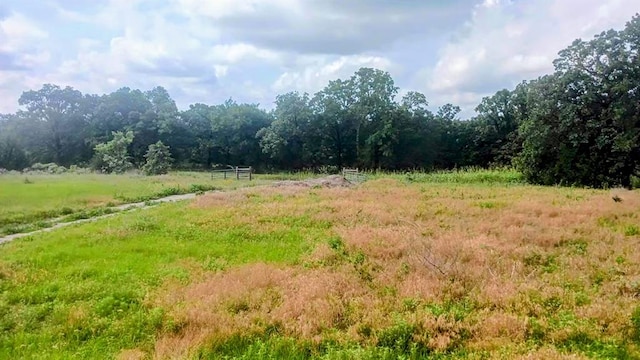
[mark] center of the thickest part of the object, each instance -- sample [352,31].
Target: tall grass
[460,176]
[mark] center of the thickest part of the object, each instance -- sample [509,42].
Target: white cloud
[323,26]
[509,41]
[490,3]
[236,53]
[22,48]
[9,92]
[224,8]
[153,49]
[221,70]
[17,33]
[317,73]
[23,41]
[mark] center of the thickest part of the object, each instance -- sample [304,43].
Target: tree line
[579,125]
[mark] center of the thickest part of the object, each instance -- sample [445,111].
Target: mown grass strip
[30,205]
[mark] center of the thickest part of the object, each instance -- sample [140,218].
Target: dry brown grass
[512,254]
[546,353]
[131,354]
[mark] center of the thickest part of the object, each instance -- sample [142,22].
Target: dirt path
[118,209]
[328,181]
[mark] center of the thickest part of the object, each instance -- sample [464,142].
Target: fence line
[244,173]
[237,172]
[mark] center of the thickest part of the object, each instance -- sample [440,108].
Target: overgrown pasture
[399,267]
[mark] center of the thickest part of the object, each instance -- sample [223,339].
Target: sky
[455,51]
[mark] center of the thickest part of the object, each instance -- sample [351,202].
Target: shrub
[49,168]
[112,156]
[399,337]
[158,159]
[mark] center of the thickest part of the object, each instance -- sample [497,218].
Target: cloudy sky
[250,50]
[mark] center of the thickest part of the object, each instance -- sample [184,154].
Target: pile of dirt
[328,181]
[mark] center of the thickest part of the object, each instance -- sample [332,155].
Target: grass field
[29,201]
[478,266]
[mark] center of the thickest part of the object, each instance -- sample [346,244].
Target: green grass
[462,176]
[92,290]
[81,292]
[395,345]
[27,201]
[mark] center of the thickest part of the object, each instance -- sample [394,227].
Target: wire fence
[353,175]
[237,172]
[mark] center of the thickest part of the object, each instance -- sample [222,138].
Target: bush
[398,337]
[158,159]
[49,168]
[75,169]
[112,155]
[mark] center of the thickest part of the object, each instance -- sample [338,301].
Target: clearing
[404,265]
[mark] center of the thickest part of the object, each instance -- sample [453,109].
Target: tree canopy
[579,125]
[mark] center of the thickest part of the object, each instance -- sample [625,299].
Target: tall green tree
[198,135]
[584,121]
[233,128]
[289,138]
[496,129]
[374,92]
[336,124]
[125,110]
[454,137]
[56,117]
[418,134]
[13,155]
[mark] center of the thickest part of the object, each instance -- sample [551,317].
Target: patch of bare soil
[331,181]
